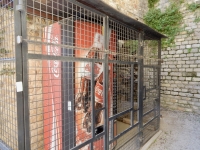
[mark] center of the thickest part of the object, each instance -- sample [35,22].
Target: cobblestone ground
[180,131]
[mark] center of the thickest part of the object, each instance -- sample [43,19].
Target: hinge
[19,86]
[19,39]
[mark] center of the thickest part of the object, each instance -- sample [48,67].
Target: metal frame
[23,57]
[19,76]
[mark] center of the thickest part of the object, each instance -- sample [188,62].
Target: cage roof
[95,5]
[111,12]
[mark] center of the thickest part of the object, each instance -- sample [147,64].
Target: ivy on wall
[167,22]
[151,3]
[193,6]
[7,70]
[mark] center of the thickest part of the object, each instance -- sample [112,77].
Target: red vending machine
[67,84]
[90,36]
[52,101]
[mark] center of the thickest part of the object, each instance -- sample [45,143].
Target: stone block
[182,46]
[193,42]
[190,74]
[189,62]
[193,58]
[190,54]
[181,78]
[182,101]
[193,66]
[188,46]
[196,79]
[188,78]
[172,52]
[183,55]
[174,93]
[185,42]
[196,45]
[189,69]
[197,69]
[197,96]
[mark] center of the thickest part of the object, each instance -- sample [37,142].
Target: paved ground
[180,131]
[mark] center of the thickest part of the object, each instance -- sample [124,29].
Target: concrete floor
[180,131]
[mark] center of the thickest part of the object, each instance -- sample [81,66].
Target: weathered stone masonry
[181,68]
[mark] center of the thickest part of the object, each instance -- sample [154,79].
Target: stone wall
[181,67]
[132,8]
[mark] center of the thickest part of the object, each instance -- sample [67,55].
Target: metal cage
[86,76]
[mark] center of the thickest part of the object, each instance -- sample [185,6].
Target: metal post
[140,84]
[19,77]
[105,82]
[159,85]
[25,77]
[132,94]
[92,103]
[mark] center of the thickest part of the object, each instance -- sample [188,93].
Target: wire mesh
[150,104]
[71,32]
[61,92]
[66,70]
[8,105]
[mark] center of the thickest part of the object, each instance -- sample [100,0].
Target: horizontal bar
[97,110]
[122,62]
[63,46]
[99,135]
[82,144]
[88,141]
[3,146]
[7,59]
[150,121]
[128,140]
[62,58]
[148,112]
[119,114]
[124,132]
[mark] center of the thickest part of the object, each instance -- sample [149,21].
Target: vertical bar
[154,77]
[92,104]
[105,81]
[25,79]
[159,86]
[140,84]
[132,94]
[19,77]
[68,86]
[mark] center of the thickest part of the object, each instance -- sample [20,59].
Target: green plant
[151,3]
[197,19]
[189,50]
[194,6]
[6,70]
[167,22]
[3,52]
